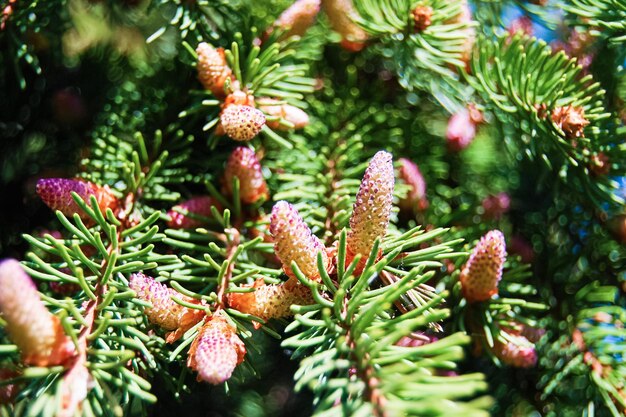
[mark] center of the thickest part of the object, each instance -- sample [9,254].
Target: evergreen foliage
[224,161]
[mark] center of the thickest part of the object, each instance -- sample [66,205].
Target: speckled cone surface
[212,68]
[271,301]
[165,312]
[293,241]
[56,193]
[216,351]
[243,164]
[372,208]
[36,332]
[482,272]
[242,123]
[571,120]
[197,205]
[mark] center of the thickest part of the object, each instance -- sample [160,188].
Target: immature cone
[519,353]
[522,24]
[212,68]
[293,241]
[416,197]
[270,301]
[242,123]
[36,332]
[216,351]
[422,16]
[298,17]
[571,120]
[244,165]
[371,211]
[165,312]
[56,193]
[341,14]
[495,206]
[482,272]
[462,128]
[197,205]
[290,113]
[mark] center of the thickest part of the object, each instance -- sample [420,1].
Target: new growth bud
[216,351]
[293,241]
[372,208]
[165,312]
[36,332]
[197,205]
[482,272]
[244,165]
[56,193]
[212,68]
[242,123]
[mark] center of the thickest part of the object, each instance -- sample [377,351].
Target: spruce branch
[559,110]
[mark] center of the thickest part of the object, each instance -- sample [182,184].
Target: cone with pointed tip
[518,352]
[56,193]
[290,113]
[197,205]
[298,18]
[482,272]
[216,351]
[341,14]
[212,68]
[293,241]
[415,199]
[270,301]
[165,312]
[244,165]
[242,123]
[36,332]
[372,208]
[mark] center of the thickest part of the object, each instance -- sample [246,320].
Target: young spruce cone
[292,114]
[371,211]
[212,68]
[216,351]
[165,312]
[293,241]
[271,301]
[197,205]
[244,165]
[56,193]
[242,123]
[36,332]
[482,272]
[298,17]
[519,353]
